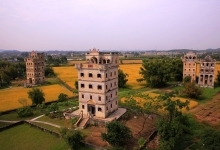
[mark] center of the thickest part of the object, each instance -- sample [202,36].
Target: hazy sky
[109,24]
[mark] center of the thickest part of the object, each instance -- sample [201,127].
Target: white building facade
[98,83]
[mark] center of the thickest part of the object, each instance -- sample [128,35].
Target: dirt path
[208,112]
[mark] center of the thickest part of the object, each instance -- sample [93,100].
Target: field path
[54,125]
[37,117]
[8,121]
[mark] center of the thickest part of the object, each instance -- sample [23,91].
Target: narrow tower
[189,65]
[98,83]
[35,66]
[206,72]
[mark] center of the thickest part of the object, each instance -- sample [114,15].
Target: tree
[76,85]
[36,95]
[210,139]
[73,137]
[191,90]
[218,78]
[117,134]
[25,111]
[154,72]
[172,126]
[122,78]
[49,72]
[157,72]
[62,97]
[187,79]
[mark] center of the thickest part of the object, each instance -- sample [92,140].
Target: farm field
[26,137]
[9,97]
[209,112]
[141,101]
[69,75]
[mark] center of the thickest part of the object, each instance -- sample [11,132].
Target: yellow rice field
[67,74]
[141,101]
[73,62]
[135,61]
[9,97]
[133,73]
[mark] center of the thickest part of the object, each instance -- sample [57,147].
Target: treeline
[56,61]
[10,71]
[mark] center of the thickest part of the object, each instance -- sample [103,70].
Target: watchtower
[98,83]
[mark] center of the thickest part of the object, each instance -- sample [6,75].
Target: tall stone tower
[35,66]
[189,65]
[98,83]
[206,72]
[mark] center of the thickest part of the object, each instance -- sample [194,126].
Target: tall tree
[157,72]
[117,134]
[62,97]
[122,78]
[172,126]
[36,95]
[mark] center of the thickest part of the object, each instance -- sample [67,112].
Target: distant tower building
[35,66]
[98,83]
[206,73]
[189,65]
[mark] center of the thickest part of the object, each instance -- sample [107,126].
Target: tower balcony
[101,67]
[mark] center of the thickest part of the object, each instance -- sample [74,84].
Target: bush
[25,112]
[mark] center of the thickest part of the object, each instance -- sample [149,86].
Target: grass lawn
[63,122]
[13,116]
[2,124]
[208,93]
[26,137]
[46,126]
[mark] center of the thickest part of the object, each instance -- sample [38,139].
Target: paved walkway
[54,125]
[37,117]
[8,121]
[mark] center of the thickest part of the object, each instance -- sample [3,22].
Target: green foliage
[210,139]
[76,84]
[49,72]
[122,78]
[56,61]
[142,142]
[62,97]
[36,95]
[191,90]
[187,79]
[157,72]
[73,137]
[74,120]
[10,71]
[117,134]
[173,126]
[25,112]
[53,107]
[218,79]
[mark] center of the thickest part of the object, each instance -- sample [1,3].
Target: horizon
[124,25]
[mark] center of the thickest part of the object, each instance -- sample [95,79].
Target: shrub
[25,112]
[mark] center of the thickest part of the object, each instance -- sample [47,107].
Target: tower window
[99,75]
[82,74]
[82,85]
[90,97]
[111,74]
[90,75]
[90,86]
[82,106]
[99,87]
[106,75]
[100,98]
[82,95]
[99,109]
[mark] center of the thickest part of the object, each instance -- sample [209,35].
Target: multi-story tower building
[206,73]
[35,66]
[98,83]
[189,65]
